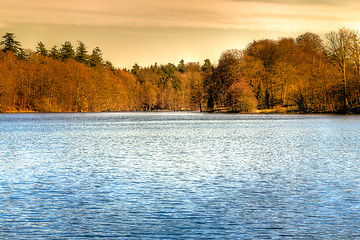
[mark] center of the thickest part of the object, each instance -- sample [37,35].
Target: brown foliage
[241,98]
[303,73]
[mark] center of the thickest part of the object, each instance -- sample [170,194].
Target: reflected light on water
[179,176]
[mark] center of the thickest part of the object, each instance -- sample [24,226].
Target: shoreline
[219,111]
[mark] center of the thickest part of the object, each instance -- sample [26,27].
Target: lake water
[179,176]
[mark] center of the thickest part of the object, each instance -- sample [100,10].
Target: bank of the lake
[279,110]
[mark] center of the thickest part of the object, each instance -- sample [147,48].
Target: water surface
[179,176]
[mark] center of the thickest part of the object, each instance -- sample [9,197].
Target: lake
[179,175]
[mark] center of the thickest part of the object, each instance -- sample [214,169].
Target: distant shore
[279,110]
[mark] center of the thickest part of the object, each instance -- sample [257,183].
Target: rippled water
[179,176]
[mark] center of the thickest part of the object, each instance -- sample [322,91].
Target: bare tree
[339,52]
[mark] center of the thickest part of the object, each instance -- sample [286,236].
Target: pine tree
[136,69]
[181,66]
[81,53]
[54,53]
[10,44]
[67,51]
[40,49]
[23,55]
[96,57]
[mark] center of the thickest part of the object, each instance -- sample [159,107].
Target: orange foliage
[302,73]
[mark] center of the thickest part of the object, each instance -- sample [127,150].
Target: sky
[162,31]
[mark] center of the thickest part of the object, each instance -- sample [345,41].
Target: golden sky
[149,31]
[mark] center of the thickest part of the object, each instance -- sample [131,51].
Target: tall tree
[40,49]
[310,43]
[195,76]
[67,51]
[96,58]
[226,73]
[81,53]
[338,50]
[166,72]
[54,53]
[209,84]
[10,44]
[265,53]
[311,89]
[136,69]
[181,66]
[355,58]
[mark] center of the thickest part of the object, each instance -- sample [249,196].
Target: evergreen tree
[10,44]
[67,51]
[96,57]
[54,53]
[23,55]
[208,84]
[40,49]
[181,66]
[81,53]
[135,69]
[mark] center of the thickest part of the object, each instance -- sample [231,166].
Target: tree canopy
[303,74]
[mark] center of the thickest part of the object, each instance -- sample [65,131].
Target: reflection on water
[179,176]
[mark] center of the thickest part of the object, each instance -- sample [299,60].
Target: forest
[299,75]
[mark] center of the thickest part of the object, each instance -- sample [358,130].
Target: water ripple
[179,176]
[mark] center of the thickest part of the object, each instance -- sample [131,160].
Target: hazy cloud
[277,15]
[149,31]
[304,2]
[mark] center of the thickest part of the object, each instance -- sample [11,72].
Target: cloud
[269,15]
[304,2]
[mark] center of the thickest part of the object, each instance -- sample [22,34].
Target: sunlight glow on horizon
[166,25]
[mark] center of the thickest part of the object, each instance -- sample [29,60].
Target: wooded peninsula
[305,74]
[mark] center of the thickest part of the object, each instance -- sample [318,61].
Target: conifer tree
[181,66]
[10,44]
[135,69]
[67,51]
[96,57]
[54,53]
[23,55]
[40,49]
[81,53]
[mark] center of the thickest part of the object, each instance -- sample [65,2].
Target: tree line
[304,74]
